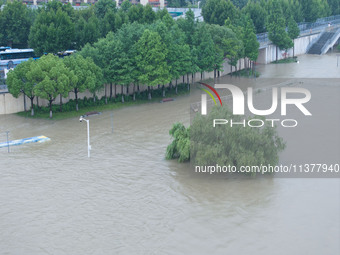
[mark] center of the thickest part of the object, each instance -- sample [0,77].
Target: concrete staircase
[319,44]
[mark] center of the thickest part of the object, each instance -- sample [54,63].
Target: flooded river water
[127,199]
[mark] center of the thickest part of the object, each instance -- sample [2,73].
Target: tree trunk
[163,91]
[231,70]
[183,78]
[176,88]
[50,101]
[192,78]
[25,109]
[115,90]
[122,92]
[276,52]
[187,78]
[61,103]
[134,93]
[149,93]
[249,69]
[105,94]
[138,89]
[111,90]
[32,109]
[76,95]
[94,97]
[37,102]
[201,75]
[293,48]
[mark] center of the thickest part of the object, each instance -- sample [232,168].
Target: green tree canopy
[217,11]
[334,6]
[313,9]
[103,6]
[149,15]
[136,13]
[52,78]
[206,48]
[251,45]
[88,74]
[236,145]
[188,26]
[277,28]
[293,30]
[126,66]
[258,15]
[86,28]
[151,60]
[180,146]
[19,81]
[51,32]
[15,22]
[179,58]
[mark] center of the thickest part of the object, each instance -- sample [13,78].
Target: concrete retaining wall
[268,54]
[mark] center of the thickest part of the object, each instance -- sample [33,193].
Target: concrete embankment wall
[9,104]
[268,54]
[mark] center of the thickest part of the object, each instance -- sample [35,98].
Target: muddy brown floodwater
[127,199]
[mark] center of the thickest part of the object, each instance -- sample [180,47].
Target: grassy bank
[285,60]
[88,104]
[245,73]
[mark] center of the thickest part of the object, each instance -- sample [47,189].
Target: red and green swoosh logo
[209,93]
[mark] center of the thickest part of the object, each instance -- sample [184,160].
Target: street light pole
[88,134]
[7,141]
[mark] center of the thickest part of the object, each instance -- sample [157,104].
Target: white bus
[9,58]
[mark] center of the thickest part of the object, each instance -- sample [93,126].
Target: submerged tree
[180,146]
[237,145]
[207,145]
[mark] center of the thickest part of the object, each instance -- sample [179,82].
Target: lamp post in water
[88,134]
[7,140]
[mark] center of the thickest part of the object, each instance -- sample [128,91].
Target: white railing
[306,28]
[330,42]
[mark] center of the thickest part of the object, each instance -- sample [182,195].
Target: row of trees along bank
[139,53]
[51,76]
